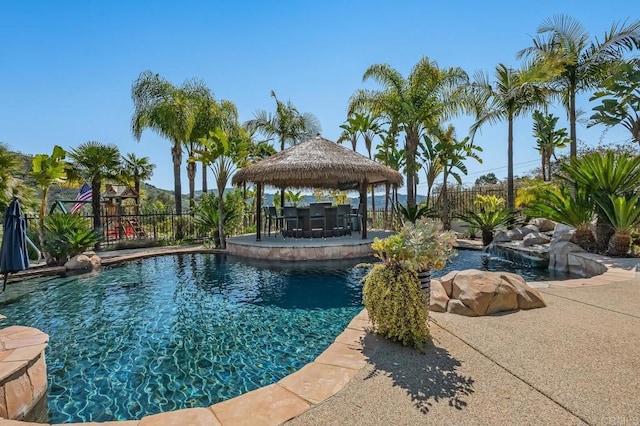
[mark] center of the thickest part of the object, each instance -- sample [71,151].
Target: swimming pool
[185,331]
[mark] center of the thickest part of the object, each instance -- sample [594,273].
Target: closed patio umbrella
[13,253]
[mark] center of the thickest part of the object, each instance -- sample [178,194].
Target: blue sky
[67,67]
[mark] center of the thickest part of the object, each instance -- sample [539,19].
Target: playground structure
[118,220]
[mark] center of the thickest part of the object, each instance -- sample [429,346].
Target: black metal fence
[150,228]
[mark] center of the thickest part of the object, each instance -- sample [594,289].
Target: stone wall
[23,372]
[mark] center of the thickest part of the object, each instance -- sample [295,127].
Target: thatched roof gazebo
[317,163]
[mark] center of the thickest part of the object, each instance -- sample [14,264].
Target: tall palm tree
[416,103]
[95,162]
[210,114]
[389,155]
[565,42]
[226,152]
[350,131]
[170,112]
[513,93]
[451,154]
[548,139]
[47,170]
[287,125]
[137,169]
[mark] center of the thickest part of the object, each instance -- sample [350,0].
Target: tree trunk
[487,236]
[410,150]
[544,166]
[191,175]
[604,231]
[444,201]
[223,241]
[619,244]
[510,186]
[205,187]
[387,190]
[373,206]
[176,154]
[572,123]
[96,183]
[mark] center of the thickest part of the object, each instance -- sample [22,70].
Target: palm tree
[514,93]
[350,131]
[47,170]
[95,162]
[137,169]
[548,139]
[287,125]
[416,103]
[431,163]
[10,185]
[620,95]
[451,154]
[565,42]
[170,112]
[227,151]
[389,155]
[209,115]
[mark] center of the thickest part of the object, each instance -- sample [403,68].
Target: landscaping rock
[477,292]
[438,299]
[527,229]
[447,282]
[515,234]
[455,306]
[544,225]
[534,238]
[563,232]
[559,255]
[501,237]
[83,263]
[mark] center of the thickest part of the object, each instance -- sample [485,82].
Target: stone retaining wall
[23,373]
[301,252]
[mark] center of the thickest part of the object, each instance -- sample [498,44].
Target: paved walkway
[574,362]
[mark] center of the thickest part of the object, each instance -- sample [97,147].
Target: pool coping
[319,380]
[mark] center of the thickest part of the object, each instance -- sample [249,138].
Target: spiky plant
[559,205]
[624,215]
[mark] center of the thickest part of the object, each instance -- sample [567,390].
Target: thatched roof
[317,163]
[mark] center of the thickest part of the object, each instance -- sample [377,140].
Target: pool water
[184,331]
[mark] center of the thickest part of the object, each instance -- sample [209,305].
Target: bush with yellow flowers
[392,295]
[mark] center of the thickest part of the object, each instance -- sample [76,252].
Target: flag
[84,196]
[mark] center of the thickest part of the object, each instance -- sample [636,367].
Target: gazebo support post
[363,201]
[258,211]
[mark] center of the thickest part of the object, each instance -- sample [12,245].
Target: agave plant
[624,215]
[559,205]
[66,235]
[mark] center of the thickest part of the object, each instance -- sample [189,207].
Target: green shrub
[67,235]
[396,304]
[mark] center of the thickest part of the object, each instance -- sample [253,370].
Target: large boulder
[559,254]
[528,229]
[544,225]
[501,237]
[475,292]
[438,298]
[83,263]
[515,234]
[534,238]
[563,232]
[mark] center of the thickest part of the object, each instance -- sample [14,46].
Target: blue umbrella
[13,254]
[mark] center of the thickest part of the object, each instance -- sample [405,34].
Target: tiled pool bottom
[179,331]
